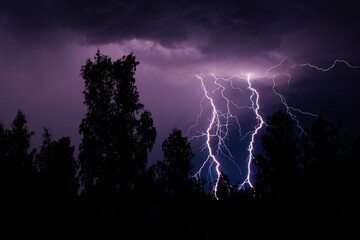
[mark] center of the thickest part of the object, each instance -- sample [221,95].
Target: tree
[225,189]
[57,167]
[351,166]
[17,161]
[116,132]
[173,173]
[2,147]
[18,145]
[280,169]
[326,156]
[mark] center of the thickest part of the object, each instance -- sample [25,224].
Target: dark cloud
[216,27]
[44,43]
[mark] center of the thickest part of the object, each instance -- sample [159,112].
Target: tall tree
[173,173]
[327,154]
[18,145]
[17,161]
[116,132]
[279,170]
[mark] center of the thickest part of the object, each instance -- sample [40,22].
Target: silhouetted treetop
[178,154]
[279,169]
[57,167]
[325,142]
[18,144]
[173,174]
[117,132]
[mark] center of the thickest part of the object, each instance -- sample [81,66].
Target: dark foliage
[57,168]
[117,133]
[17,167]
[308,178]
[38,191]
[172,176]
[279,170]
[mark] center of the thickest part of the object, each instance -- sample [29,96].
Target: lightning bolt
[329,68]
[218,128]
[215,121]
[260,122]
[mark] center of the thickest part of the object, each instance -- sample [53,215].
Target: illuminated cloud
[43,46]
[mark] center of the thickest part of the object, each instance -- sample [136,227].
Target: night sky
[44,43]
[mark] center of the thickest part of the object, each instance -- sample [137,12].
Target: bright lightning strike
[215,121]
[218,128]
[260,122]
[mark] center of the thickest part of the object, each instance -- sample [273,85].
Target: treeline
[108,191]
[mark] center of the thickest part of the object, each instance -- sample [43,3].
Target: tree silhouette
[57,167]
[173,173]
[17,166]
[225,189]
[116,132]
[279,170]
[351,166]
[326,154]
[18,145]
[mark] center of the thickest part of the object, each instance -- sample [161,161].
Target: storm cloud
[217,28]
[44,43]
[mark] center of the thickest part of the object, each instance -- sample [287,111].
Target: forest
[305,186]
